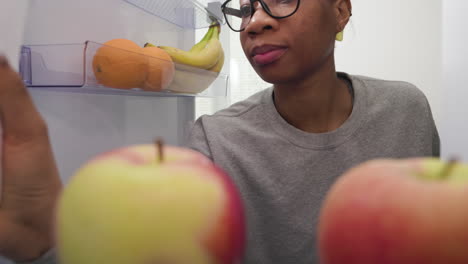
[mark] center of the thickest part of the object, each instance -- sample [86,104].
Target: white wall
[396,40]
[454,125]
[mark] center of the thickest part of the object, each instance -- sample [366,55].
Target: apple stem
[159,147]
[448,168]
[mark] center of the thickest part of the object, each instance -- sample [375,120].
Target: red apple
[140,205]
[412,211]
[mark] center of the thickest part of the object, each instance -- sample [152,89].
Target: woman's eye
[245,10]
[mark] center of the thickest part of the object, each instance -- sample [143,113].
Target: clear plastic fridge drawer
[68,66]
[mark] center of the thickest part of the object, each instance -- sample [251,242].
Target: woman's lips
[269,56]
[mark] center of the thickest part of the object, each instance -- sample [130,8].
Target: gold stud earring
[339,36]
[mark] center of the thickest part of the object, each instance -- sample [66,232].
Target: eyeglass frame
[265,7]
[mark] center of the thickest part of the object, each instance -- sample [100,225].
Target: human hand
[30,179]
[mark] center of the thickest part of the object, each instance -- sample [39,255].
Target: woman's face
[289,49]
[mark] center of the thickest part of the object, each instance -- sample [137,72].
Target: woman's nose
[260,21]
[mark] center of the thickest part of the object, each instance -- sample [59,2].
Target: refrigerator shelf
[184,13]
[70,67]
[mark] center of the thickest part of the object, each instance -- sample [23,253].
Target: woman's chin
[274,76]
[276,72]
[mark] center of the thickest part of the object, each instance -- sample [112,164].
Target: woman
[286,145]
[283,147]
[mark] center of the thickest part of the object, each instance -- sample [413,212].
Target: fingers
[19,117]
[3,62]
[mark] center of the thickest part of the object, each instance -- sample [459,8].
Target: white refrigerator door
[12,20]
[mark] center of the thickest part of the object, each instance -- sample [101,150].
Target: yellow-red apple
[141,205]
[411,211]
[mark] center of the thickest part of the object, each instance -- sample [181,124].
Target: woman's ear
[343,11]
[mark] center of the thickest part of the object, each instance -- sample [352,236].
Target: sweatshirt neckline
[320,140]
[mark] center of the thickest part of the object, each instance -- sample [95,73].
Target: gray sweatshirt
[283,173]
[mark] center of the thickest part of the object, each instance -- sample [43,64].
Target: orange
[120,64]
[161,69]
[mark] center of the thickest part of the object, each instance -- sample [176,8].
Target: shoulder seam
[364,79]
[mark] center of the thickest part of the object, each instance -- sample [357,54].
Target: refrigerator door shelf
[183,13]
[69,67]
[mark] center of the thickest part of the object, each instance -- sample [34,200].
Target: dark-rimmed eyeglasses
[239,12]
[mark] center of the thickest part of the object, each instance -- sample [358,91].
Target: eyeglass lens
[239,12]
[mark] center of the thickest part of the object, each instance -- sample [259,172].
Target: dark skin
[307,93]
[31,183]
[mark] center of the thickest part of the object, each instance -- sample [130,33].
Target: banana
[202,44]
[219,65]
[149,45]
[198,68]
[204,59]
[193,81]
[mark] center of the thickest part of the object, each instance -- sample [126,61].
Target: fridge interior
[86,118]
